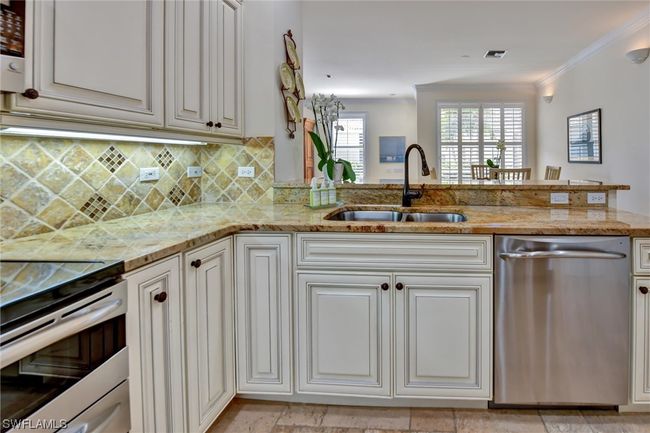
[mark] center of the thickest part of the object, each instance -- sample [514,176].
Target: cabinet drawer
[398,251]
[642,256]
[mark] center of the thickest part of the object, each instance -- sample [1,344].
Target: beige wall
[429,95]
[607,80]
[385,117]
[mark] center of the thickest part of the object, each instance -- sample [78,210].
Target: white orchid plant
[501,147]
[326,115]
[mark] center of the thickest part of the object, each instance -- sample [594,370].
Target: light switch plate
[596,198]
[559,198]
[194,171]
[149,174]
[246,172]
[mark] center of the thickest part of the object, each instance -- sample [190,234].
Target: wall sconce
[547,98]
[638,56]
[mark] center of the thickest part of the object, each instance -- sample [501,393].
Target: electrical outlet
[559,198]
[194,171]
[148,174]
[596,198]
[246,172]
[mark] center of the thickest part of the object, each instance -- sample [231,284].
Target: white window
[351,142]
[468,134]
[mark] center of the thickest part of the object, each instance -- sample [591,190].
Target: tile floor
[249,416]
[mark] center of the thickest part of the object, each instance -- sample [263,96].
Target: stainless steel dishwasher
[562,314]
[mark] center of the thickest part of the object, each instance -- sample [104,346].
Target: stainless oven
[66,369]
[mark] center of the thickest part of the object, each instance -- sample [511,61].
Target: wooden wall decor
[291,84]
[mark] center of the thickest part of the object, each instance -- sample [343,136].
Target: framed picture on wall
[584,137]
[391,149]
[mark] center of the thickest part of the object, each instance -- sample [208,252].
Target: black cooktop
[32,288]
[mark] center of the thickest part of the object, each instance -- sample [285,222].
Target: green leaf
[318,144]
[330,168]
[348,172]
[321,164]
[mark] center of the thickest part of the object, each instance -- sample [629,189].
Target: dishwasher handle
[562,254]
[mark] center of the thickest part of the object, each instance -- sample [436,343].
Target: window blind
[468,134]
[351,144]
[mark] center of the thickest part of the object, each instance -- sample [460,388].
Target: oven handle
[74,323]
[562,254]
[97,425]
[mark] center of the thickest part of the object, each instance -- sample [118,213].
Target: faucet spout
[408,194]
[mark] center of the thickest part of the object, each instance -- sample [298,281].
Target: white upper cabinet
[263,293]
[229,72]
[344,333]
[209,305]
[96,60]
[187,64]
[204,66]
[443,336]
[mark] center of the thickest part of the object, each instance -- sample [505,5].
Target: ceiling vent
[495,54]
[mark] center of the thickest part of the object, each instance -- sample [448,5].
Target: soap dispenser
[314,194]
[332,192]
[324,193]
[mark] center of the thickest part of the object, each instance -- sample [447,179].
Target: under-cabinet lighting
[37,132]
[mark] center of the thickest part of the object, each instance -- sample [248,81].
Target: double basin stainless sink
[396,216]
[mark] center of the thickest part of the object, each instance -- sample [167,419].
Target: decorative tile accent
[112,159]
[165,158]
[95,207]
[52,184]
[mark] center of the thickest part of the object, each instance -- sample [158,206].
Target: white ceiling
[377,48]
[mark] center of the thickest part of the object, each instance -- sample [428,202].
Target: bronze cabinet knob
[160,297]
[643,289]
[195,263]
[210,124]
[384,286]
[399,286]
[30,93]
[218,124]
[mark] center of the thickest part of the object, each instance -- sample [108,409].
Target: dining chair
[511,173]
[552,172]
[480,171]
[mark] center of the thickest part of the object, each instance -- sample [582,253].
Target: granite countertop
[551,185]
[144,238]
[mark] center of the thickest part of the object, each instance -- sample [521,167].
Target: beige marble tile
[564,421]
[499,421]
[367,417]
[244,416]
[614,422]
[303,415]
[304,429]
[438,420]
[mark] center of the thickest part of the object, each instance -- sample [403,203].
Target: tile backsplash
[50,184]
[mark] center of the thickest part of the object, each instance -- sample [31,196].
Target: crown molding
[627,29]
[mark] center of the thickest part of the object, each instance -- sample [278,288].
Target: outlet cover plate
[150,173]
[559,198]
[194,171]
[246,172]
[596,198]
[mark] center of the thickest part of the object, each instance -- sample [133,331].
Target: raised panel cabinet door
[343,333]
[227,74]
[209,330]
[263,298]
[155,341]
[641,346]
[100,60]
[442,335]
[187,64]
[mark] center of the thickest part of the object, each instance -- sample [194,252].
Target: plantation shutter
[351,143]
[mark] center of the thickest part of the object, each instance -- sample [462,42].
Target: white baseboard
[634,408]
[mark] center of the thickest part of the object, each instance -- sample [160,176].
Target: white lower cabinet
[343,333]
[641,343]
[263,293]
[155,341]
[209,332]
[442,336]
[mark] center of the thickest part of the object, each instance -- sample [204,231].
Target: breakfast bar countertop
[145,238]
